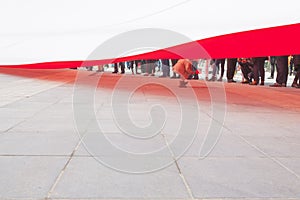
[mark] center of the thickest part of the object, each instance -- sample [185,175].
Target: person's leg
[259,71]
[245,71]
[282,70]
[214,72]
[272,70]
[295,82]
[164,71]
[255,74]
[262,73]
[298,75]
[222,69]
[206,69]
[285,70]
[231,64]
[115,68]
[122,68]
[152,68]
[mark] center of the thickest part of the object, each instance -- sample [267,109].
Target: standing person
[165,68]
[206,68]
[222,63]
[116,66]
[174,61]
[214,71]
[150,67]
[258,70]
[130,66]
[195,63]
[185,69]
[273,64]
[89,68]
[231,65]
[296,81]
[136,62]
[282,71]
[122,65]
[100,68]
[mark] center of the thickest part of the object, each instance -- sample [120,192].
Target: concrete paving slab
[256,156]
[86,178]
[239,178]
[28,177]
[38,143]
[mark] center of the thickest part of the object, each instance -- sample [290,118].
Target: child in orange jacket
[185,69]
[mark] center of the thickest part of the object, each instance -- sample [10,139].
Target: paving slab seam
[188,188]
[264,153]
[63,170]
[120,199]
[33,155]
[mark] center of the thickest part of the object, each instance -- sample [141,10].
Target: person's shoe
[253,83]
[182,84]
[262,83]
[114,72]
[245,82]
[122,72]
[220,79]
[271,77]
[295,85]
[212,79]
[231,81]
[162,76]
[173,77]
[276,85]
[206,78]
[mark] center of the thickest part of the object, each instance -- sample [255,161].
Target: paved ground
[62,138]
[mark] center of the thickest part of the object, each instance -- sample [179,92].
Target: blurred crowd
[252,69]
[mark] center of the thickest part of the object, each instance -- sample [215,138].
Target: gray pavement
[44,155]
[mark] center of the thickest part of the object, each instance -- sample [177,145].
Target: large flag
[63,33]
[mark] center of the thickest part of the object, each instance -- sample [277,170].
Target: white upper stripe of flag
[55,30]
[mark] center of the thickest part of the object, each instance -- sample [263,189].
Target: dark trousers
[259,70]
[282,69]
[231,65]
[247,72]
[116,67]
[273,65]
[297,76]
[165,67]
[222,63]
[122,65]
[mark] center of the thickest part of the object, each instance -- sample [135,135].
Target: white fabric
[54,30]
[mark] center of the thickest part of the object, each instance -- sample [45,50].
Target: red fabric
[275,41]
